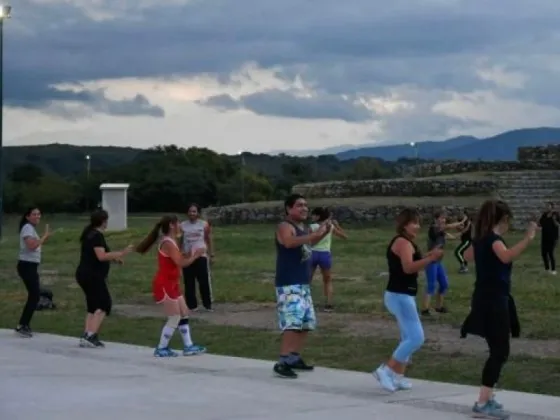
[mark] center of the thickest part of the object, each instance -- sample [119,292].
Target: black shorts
[96,293]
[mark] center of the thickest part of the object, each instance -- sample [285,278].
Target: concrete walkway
[50,378]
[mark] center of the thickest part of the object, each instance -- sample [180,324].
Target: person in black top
[549,223]
[466,238]
[493,315]
[92,273]
[405,261]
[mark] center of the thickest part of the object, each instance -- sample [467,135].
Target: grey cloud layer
[341,48]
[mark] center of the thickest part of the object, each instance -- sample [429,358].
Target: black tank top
[399,281]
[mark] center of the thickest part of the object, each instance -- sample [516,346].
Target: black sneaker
[426,312]
[24,331]
[96,342]
[328,308]
[442,310]
[284,371]
[91,341]
[301,365]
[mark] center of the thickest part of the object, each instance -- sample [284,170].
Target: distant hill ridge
[500,147]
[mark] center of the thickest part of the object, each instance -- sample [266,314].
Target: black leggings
[547,253]
[29,273]
[198,270]
[497,337]
[460,251]
[96,293]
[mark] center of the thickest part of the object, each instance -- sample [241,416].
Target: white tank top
[193,235]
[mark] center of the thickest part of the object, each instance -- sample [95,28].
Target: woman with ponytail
[165,286]
[92,273]
[493,314]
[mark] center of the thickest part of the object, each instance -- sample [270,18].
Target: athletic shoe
[553,272]
[166,352]
[425,312]
[24,331]
[299,364]
[463,270]
[284,371]
[91,341]
[442,310]
[496,403]
[193,350]
[489,411]
[385,378]
[402,383]
[328,308]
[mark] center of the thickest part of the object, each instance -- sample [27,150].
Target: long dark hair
[97,218]
[490,214]
[163,226]
[23,221]
[322,213]
[405,217]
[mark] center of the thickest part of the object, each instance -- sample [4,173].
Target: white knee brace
[173,321]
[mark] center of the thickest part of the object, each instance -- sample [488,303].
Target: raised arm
[405,252]
[286,235]
[32,243]
[179,259]
[338,231]
[507,255]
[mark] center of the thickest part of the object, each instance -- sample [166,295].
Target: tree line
[58,178]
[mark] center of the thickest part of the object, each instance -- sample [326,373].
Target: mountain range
[500,147]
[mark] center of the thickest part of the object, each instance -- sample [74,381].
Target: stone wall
[460,167]
[547,155]
[374,215]
[418,187]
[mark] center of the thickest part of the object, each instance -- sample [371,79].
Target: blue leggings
[403,307]
[435,274]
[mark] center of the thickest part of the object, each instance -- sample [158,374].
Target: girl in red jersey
[166,288]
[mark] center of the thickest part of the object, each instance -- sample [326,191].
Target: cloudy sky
[264,75]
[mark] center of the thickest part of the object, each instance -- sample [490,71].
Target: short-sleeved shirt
[194,234]
[548,225]
[90,266]
[436,237]
[26,254]
[493,277]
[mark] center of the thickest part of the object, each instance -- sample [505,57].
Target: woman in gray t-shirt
[28,265]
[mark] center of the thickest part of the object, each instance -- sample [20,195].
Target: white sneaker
[401,383]
[385,377]
[553,272]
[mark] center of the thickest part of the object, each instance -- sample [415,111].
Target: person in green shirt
[321,252]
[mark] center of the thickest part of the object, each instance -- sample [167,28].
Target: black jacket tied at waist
[489,313]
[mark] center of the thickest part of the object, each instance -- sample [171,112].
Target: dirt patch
[440,338]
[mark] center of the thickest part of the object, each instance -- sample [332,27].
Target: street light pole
[88,170]
[416,167]
[5,13]
[242,172]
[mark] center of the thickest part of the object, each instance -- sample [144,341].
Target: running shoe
[283,370]
[166,352]
[24,331]
[193,350]
[489,411]
[386,378]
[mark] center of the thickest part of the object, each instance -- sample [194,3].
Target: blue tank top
[293,265]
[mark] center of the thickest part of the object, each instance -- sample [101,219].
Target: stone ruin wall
[430,188]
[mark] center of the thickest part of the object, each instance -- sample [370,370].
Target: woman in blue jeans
[405,261]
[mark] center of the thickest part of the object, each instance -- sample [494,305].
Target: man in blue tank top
[296,315]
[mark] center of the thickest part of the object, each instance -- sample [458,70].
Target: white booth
[114,201]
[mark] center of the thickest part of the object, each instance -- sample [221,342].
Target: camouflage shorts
[295,308]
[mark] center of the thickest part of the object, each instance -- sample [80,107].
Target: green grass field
[359,335]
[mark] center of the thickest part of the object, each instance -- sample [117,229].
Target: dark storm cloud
[356,47]
[287,104]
